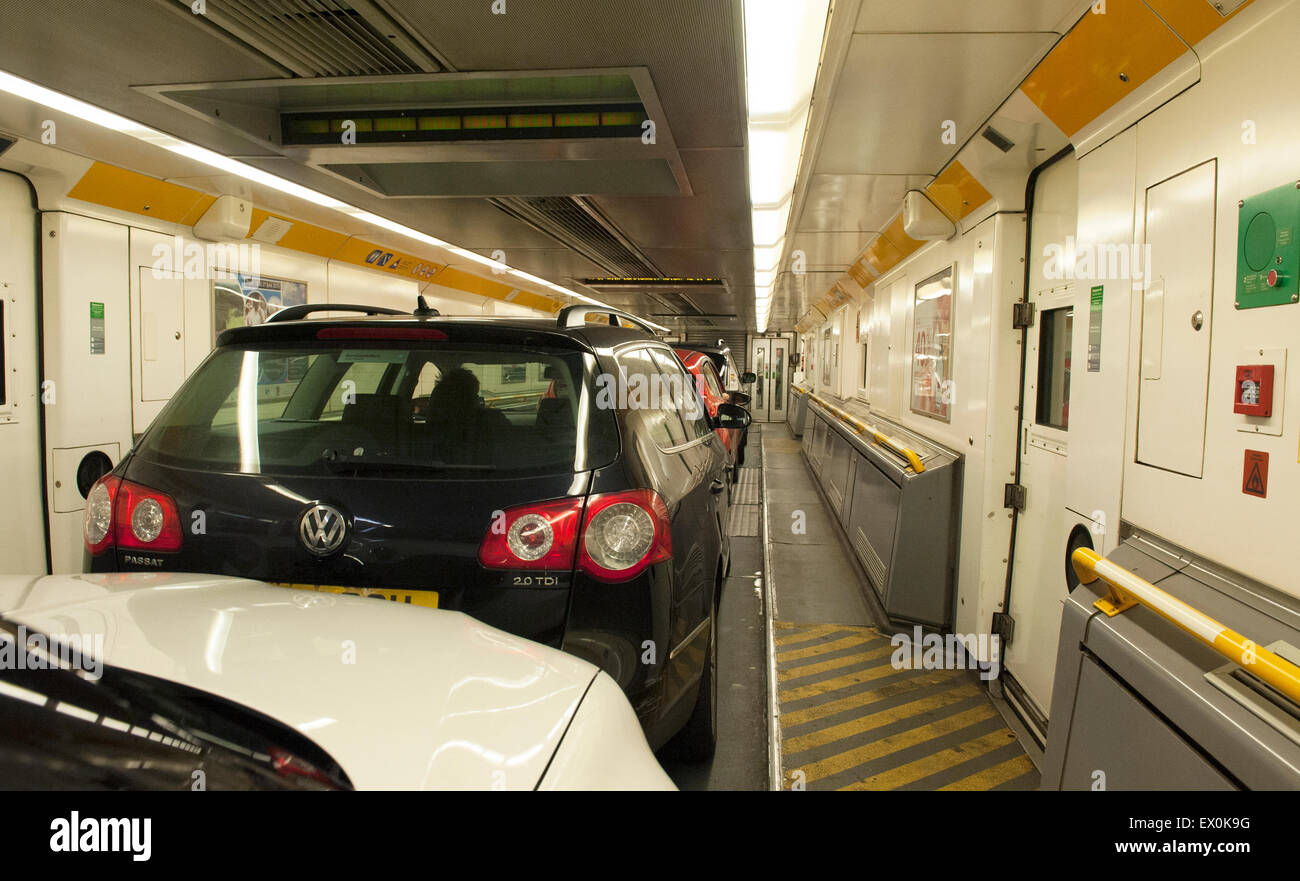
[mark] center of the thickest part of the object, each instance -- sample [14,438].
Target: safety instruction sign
[97,328]
[1094,328]
[1254,474]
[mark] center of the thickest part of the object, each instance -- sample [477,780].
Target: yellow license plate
[426,598]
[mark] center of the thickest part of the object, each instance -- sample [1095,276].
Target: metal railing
[1128,589]
[861,427]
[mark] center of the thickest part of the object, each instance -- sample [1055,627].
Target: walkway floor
[849,716]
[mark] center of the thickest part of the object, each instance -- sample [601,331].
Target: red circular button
[1273,278]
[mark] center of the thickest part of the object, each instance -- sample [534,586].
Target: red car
[710,385]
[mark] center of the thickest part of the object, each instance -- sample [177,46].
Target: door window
[1054,333]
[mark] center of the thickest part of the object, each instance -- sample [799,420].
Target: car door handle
[716,486]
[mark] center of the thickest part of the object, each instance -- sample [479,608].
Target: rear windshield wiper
[336,461]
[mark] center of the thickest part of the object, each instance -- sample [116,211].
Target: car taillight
[128,515]
[145,519]
[618,536]
[543,535]
[97,527]
[623,533]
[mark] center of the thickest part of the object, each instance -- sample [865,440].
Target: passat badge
[322,529]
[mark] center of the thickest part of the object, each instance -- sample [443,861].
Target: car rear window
[386,409]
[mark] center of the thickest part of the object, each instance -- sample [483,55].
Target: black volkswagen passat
[556,478]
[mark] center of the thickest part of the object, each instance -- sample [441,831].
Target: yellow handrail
[1127,590]
[878,436]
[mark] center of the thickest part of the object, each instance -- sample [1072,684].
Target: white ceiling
[896,91]
[971,16]
[892,74]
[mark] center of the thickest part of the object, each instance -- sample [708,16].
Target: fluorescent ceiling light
[769,224]
[53,100]
[768,257]
[774,159]
[783,42]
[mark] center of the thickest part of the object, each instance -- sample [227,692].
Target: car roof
[590,334]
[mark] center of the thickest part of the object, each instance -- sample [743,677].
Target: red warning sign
[1254,474]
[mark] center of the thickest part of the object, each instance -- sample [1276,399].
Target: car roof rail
[576,316]
[293,313]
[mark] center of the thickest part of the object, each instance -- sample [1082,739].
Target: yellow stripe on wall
[137,193]
[303,237]
[882,255]
[957,192]
[1081,77]
[1193,21]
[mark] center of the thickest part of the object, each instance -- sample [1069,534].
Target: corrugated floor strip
[851,720]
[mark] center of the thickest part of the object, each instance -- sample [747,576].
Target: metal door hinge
[1022,315]
[1013,496]
[1005,627]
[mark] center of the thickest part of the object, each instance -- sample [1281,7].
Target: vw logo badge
[322,529]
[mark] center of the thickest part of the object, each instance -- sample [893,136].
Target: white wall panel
[22,521]
[1097,397]
[84,261]
[1252,132]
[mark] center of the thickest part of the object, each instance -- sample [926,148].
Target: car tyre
[698,739]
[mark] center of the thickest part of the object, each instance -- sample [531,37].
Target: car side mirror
[731,416]
[740,399]
[748,377]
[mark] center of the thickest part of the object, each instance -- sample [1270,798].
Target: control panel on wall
[1268,248]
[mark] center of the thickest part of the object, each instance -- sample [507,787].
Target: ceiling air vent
[577,224]
[997,139]
[313,38]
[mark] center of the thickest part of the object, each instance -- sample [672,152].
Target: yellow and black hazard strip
[851,718]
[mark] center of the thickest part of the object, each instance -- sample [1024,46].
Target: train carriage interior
[784,395]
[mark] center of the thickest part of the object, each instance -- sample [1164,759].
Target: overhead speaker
[227,219]
[923,220]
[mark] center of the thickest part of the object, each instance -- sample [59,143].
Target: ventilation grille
[871,561]
[315,38]
[737,341]
[575,223]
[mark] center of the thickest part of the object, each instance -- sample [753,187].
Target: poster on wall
[241,300]
[932,346]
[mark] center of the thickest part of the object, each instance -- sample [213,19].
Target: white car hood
[402,697]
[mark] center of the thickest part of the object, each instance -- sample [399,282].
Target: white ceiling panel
[829,250]
[891,16]
[855,202]
[896,91]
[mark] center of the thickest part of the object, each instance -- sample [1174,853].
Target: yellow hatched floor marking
[880,719]
[995,776]
[809,714]
[876,749]
[823,648]
[936,762]
[846,681]
[811,669]
[801,634]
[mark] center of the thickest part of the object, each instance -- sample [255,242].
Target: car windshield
[67,720]
[385,410]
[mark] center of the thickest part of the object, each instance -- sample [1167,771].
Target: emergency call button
[1253,394]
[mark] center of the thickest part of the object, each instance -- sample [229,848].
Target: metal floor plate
[743,520]
[745,492]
